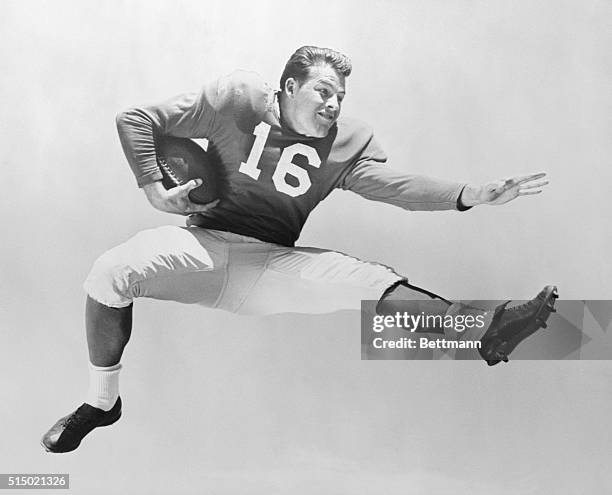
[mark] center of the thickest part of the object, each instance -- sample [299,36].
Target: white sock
[103,386]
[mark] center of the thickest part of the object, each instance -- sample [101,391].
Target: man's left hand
[502,191]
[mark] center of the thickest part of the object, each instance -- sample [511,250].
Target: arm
[417,192]
[372,179]
[411,192]
[187,115]
[241,98]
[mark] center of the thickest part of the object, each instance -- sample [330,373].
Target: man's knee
[166,263]
[108,281]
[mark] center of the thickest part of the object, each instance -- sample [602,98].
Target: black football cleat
[67,433]
[510,327]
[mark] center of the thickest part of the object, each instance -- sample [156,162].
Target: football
[181,159]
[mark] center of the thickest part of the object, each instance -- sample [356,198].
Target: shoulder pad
[244,96]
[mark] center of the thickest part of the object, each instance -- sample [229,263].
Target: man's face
[314,106]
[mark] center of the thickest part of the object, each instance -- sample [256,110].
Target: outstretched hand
[503,191]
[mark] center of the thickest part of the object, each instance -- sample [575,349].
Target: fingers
[192,184]
[525,181]
[535,185]
[532,189]
[521,179]
[184,205]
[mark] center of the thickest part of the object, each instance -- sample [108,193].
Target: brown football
[181,159]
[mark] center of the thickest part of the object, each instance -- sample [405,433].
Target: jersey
[275,176]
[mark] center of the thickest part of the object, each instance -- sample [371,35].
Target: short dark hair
[299,64]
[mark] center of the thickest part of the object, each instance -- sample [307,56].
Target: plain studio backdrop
[215,403]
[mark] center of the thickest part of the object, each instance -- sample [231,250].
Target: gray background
[214,403]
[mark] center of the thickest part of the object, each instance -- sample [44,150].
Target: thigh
[311,280]
[181,264]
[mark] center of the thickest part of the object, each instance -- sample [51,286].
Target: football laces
[169,172]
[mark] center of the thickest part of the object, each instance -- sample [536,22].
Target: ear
[291,85]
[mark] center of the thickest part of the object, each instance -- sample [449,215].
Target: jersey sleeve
[374,180]
[241,98]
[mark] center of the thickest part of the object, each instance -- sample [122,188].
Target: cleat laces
[76,420]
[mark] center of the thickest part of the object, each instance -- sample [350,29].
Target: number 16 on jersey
[285,166]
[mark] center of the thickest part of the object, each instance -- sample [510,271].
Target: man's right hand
[176,200]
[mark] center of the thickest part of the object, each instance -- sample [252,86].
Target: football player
[281,153]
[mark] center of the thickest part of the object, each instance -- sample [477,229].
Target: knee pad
[117,276]
[108,281]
